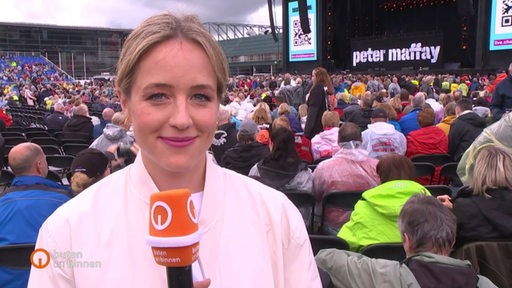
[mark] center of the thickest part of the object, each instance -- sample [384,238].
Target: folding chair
[448,175]
[6,177]
[491,259]
[434,159]
[62,163]
[305,202]
[45,141]
[13,141]
[424,169]
[389,251]
[51,150]
[73,148]
[319,242]
[33,134]
[344,200]
[437,190]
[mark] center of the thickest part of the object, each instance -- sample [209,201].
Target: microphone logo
[158,223]
[173,228]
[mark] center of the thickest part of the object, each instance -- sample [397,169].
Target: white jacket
[253,236]
[381,138]
[325,143]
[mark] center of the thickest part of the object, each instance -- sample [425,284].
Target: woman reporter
[171,77]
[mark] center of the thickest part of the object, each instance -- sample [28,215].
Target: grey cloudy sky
[128,13]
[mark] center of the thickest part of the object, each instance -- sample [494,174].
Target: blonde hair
[492,170]
[281,121]
[396,103]
[303,110]
[260,116]
[283,109]
[80,181]
[389,109]
[159,28]
[118,119]
[330,119]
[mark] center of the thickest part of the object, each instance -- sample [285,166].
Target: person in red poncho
[429,139]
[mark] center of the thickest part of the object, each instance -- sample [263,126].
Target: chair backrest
[35,129]
[15,129]
[77,135]
[389,251]
[12,134]
[16,256]
[33,134]
[305,202]
[45,141]
[448,175]
[319,242]
[73,148]
[491,259]
[61,162]
[437,190]
[13,141]
[344,200]
[51,150]
[435,159]
[6,177]
[424,169]
[54,176]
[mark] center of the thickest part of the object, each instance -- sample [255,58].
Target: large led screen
[501,25]
[302,47]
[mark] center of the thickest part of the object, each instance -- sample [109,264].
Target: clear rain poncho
[499,134]
[349,169]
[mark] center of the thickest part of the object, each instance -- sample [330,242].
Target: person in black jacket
[483,209]
[502,96]
[362,117]
[317,101]
[464,129]
[247,152]
[57,119]
[80,122]
[225,136]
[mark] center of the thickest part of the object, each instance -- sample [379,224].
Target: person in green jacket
[374,217]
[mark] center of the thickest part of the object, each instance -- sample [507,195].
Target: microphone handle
[179,277]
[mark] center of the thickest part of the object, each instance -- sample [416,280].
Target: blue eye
[201,98]
[156,97]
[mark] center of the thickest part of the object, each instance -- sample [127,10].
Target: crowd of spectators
[318,134]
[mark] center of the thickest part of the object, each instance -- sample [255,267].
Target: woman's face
[173,108]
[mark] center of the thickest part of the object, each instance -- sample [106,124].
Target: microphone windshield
[173,230]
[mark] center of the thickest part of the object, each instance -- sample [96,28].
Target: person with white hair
[57,119]
[409,122]
[80,122]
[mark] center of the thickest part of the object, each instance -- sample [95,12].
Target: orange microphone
[174,235]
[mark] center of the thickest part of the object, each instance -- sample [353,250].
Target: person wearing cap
[89,166]
[381,138]
[26,204]
[247,152]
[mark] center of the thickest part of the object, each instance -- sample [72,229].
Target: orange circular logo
[42,261]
